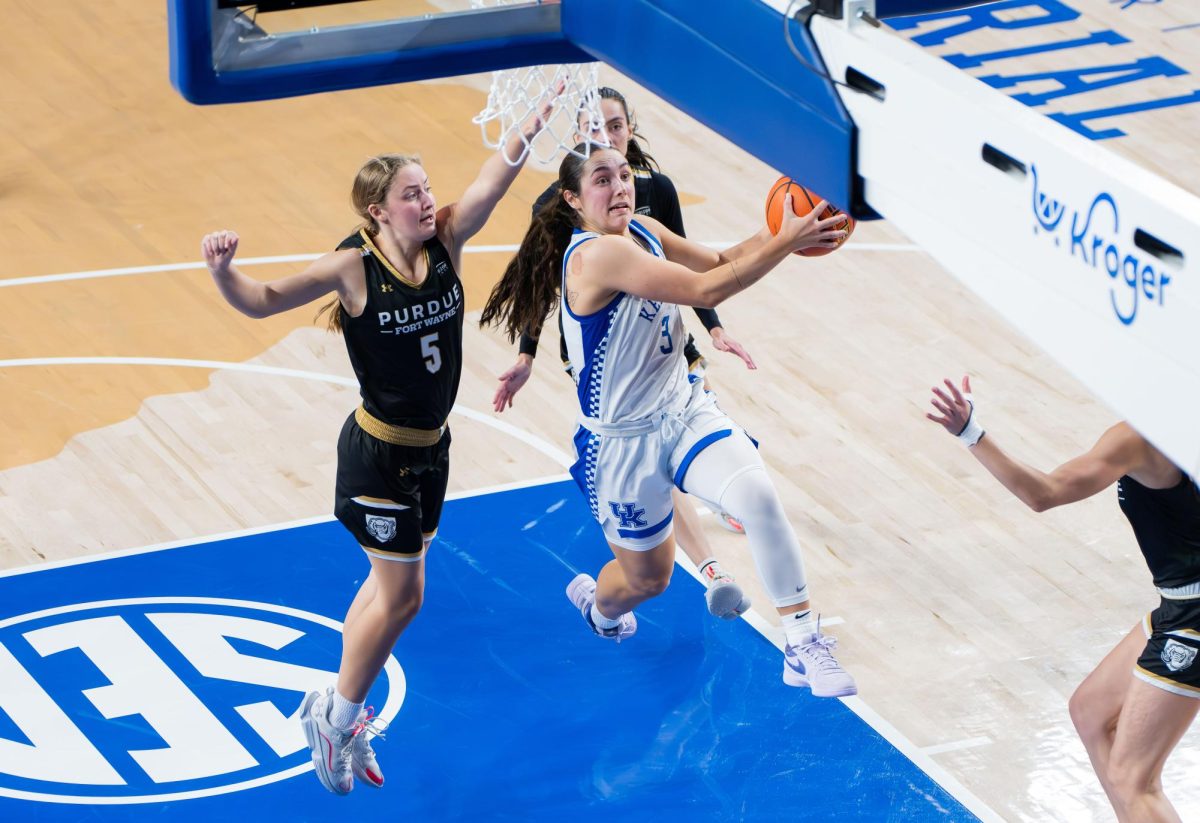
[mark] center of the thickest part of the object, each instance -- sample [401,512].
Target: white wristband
[972,432]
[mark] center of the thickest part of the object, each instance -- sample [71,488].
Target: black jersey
[406,346]
[1166,523]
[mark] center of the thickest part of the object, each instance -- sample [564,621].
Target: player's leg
[1161,702]
[723,468]
[698,368]
[1096,703]
[378,499]
[623,477]
[1151,724]
[631,578]
[724,596]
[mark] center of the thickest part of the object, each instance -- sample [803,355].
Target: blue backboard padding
[192,73]
[727,64]
[514,710]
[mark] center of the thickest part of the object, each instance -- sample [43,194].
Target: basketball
[803,201]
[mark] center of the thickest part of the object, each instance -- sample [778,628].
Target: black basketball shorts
[1171,659]
[390,497]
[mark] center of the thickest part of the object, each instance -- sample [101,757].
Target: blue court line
[512,711]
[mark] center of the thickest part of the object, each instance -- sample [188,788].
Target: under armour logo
[386,287]
[628,514]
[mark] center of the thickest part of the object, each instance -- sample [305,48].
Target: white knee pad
[729,476]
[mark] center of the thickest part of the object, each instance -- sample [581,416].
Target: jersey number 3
[669,346]
[431,353]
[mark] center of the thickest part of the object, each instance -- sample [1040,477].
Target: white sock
[798,628]
[603,622]
[343,713]
[711,569]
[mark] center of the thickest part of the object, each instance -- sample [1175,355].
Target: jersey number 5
[431,353]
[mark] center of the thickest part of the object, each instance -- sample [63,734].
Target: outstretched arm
[615,264]
[255,298]
[1119,451]
[465,218]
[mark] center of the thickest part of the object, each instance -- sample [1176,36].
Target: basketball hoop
[518,94]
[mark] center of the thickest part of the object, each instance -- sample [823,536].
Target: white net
[518,94]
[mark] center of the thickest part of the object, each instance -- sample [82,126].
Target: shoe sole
[797,680]
[316,744]
[361,775]
[723,601]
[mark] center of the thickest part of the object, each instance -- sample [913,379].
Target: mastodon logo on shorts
[1177,656]
[382,529]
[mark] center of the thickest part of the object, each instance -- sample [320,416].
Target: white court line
[303,258]
[274,527]
[920,758]
[969,743]
[545,447]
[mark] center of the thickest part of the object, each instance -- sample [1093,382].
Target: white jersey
[628,356]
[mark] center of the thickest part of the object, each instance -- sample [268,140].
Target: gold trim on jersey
[397,435]
[387,264]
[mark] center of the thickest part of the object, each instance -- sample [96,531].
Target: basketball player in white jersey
[644,425]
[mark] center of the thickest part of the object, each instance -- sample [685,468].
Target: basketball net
[518,94]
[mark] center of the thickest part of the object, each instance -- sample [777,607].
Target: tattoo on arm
[733,266]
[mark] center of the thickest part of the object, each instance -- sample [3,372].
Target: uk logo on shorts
[382,529]
[1177,656]
[629,514]
[167,698]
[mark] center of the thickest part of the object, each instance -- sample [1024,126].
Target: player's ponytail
[528,290]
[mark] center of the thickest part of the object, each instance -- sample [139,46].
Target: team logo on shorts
[629,514]
[1177,656]
[382,529]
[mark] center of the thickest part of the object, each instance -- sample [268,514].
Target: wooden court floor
[968,620]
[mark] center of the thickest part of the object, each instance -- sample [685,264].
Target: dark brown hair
[528,290]
[637,156]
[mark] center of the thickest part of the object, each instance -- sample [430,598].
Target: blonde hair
[371,186]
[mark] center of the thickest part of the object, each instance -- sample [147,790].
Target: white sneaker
[731,523]
[582,593]
[363,762]
[725,597]
[331,748]
[811,663]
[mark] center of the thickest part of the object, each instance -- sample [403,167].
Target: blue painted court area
[166,678]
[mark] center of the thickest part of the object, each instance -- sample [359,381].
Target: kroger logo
[167,698]
[1092,240]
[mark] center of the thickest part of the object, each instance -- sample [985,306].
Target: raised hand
[955,406]
[723,342]
[218,249]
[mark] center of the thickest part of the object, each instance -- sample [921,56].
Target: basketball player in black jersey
[655,196]
[1132,710]
[399,303]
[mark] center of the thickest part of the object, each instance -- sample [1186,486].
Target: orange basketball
[803,202]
